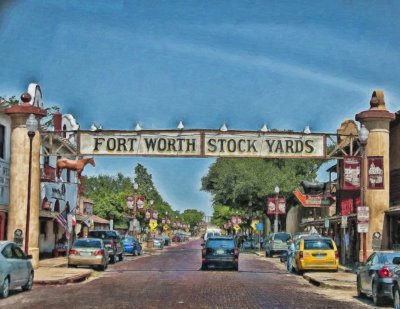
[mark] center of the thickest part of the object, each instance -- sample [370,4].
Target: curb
[63,281]
[323,284]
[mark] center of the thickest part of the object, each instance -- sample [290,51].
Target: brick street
[171,279]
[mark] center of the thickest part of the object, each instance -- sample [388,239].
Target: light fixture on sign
[138,127]
[180,125]
[264,128]
[307,130]
[223,128]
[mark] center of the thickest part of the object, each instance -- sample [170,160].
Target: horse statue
[74,165]
[313,187]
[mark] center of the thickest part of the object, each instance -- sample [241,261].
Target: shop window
[2,141]
[55,227]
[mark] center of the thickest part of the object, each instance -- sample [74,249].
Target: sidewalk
[55,271]
[344,279]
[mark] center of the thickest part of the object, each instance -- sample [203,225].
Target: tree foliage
[192,217]
[244,183]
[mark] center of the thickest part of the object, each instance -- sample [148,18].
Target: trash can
[149,243]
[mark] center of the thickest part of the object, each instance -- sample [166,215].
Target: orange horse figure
[74,165]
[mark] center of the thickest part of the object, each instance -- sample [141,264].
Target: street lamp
[363,139]
[276,209]
[31,127]
[134,209]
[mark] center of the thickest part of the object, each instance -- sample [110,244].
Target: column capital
[25,108]
[377,110]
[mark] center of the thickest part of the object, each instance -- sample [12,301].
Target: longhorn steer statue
[313,187]
[74,165]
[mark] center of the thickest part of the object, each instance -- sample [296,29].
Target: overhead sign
[362,219]
[318,200]
[202,143]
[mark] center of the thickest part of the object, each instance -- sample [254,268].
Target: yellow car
[315,253]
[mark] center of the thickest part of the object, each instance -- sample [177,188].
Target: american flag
[63,223]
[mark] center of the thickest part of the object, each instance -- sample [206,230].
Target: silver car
[15,268]
[88,252]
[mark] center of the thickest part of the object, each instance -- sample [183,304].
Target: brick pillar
[377,120]
[19,170]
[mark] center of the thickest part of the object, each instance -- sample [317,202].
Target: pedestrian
[290,254]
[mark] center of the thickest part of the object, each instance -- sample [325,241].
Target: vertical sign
[271,207]
[375,173]
[352,173]
[362,219]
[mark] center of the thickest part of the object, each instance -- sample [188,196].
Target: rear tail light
[98,252]
[301,255]
[336,254]
[72,252]
[385,272]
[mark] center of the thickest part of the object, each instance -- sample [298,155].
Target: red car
[176,238]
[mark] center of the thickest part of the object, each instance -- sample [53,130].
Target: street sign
[362,219]
[326,223]
[260,227]
[344,222]
[153,224]
[254,224]
[236,227]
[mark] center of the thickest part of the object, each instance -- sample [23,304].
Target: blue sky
[284,63]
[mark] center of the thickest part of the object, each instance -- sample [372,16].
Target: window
[87,243]
[318,244]
[43,225]
[7,252]
[2,141]
[64,131]
[17,253]
[220,243]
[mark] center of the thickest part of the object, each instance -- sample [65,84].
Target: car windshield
[130,239]
[318,244]
[388,258]
[218,243]
[103,234]
[87,243]
[282,236]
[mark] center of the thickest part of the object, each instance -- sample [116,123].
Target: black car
[375,278]
[220,252]
[112,241]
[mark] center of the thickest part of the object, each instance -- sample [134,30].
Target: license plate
[85,253]
[220,251]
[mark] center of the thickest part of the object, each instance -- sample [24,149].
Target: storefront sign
[375,173]
[18,237]
[202,143]
[352,173]
[313,200]
[346,206]
[271,208]
[362,219]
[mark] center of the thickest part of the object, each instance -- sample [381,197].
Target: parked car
[112,241]
[15,268]
[315,253]
[375,278]
[176,238]
[248,244]
[158,242]
[167,240]
[88,252]
[396,286]
[276,243]
[132,245]
[220,252]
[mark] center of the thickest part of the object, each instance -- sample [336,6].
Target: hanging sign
[271,207]
[352,173]
[375,173]
[346,206]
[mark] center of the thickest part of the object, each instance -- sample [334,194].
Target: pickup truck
[112,242]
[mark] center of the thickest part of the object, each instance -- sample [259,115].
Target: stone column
[377,120]
[19,171]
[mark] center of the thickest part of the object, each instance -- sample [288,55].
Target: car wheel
[135,253]
[375,297]
[236,267]
[102,267]
[5,288]
[203,267]
[121,257]
[360,294]
[112,259]
[139,252]
[28,285]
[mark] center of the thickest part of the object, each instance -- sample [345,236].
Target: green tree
[244,183]
[192,217]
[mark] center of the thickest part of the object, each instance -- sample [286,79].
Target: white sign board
[362,219]
[202,143]
[344,222]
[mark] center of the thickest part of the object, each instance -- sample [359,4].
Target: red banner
[271,208]
[347,206]
[375,173]
[352,173]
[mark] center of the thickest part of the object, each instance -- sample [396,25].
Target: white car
[158,242]
[15,268]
